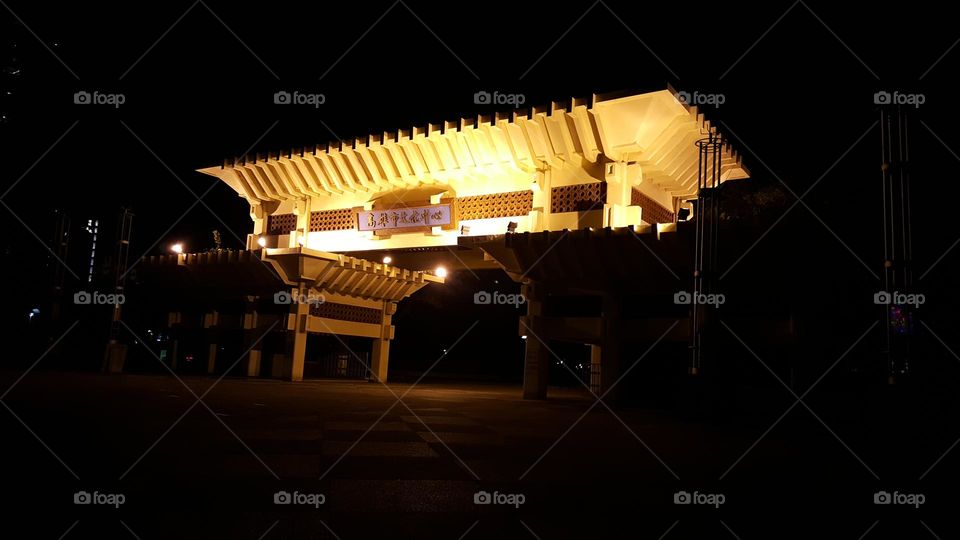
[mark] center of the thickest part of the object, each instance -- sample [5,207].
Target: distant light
[177,248]
[301,240]
[262,242]
[523,336]
[440,272]
[387,260]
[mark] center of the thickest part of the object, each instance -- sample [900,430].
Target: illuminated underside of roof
[653,130]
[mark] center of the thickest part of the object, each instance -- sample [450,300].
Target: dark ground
[214,477]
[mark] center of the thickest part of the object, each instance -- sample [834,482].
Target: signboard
[411,217]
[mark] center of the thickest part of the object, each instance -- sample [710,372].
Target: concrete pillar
[174,320]
[252,341]
[253,361]
[212,359]
[610,347]
[297,338]
[301,209]
[259,218]
[536,362]
[596,354]
[380,358]
[210,322]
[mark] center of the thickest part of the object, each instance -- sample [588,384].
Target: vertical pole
[116,352]
[898,318]
[706,240]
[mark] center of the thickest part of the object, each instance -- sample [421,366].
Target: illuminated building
[552,195]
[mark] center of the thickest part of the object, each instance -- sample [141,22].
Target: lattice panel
[332,220]
[653,212]
[346,312]
[495,205]
[578,197]
[281,223]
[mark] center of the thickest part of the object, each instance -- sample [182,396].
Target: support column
[251,337]
[301,209]
[210,322]
[296,348]
[610,348]
[596,354]
[536,361]
[381,346]
[174,322]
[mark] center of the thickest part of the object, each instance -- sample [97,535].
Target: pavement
[256,458]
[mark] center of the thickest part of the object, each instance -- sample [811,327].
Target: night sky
[198,80]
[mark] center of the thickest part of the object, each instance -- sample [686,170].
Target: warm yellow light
[177,248]
[262,242]
[387,260]
[440,272]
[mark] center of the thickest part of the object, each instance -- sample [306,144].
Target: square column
[536,362]
[610,349]
[251,339]
[210,322]
[174,323]
[380,357]
[596,355]
[296,347]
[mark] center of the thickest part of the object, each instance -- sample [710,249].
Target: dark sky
[198,87]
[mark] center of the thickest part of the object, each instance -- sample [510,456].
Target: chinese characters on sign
[405,218]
